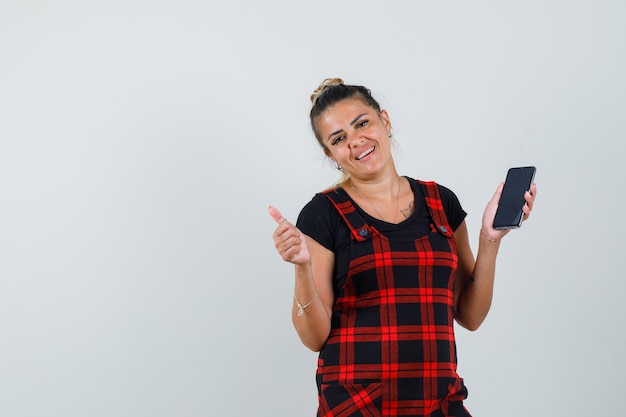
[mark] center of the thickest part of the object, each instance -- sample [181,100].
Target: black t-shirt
[321,221]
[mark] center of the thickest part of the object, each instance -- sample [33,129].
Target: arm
[314,266]
[473,288]
[313,326]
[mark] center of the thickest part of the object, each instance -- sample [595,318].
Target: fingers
[287,237]
[290,254]
[289,242]
[532,192]
[529,196]
[278,218]
[498,193]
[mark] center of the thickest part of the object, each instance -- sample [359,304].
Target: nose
[354,139]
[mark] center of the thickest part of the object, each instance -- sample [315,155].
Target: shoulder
[319,206]
[451,204]
[447,194]
[452,207]
[319,220]
[444,191]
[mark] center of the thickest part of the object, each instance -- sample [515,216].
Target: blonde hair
[327,83]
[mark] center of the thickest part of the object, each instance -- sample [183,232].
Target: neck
[384,203]
[382,189]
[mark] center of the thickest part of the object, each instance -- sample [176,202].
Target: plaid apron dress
[391,349]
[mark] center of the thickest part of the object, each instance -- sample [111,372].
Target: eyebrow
[356,119]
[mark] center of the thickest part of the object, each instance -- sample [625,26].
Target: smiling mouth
[365,153]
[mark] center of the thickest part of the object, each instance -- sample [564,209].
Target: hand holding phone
[509,214]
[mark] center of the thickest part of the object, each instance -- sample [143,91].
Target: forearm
[475,299]
[311,318]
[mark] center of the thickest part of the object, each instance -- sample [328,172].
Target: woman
[383,266]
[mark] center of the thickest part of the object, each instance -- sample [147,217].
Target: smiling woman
[383,267]
[334,92]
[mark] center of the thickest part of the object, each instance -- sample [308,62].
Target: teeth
[365,153]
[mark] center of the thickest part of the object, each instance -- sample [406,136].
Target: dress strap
[359,228]
[435,207]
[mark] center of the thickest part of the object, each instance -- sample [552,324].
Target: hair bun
[327,83]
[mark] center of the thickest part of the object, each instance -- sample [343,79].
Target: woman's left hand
[492,206]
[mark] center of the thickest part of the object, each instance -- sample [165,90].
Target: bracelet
[488,237]
[302,307]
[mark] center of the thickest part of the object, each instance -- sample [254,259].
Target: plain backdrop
[142,141]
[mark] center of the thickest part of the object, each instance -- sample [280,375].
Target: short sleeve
[452,207]
[318,219]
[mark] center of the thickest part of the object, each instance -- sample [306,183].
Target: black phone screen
[509,213]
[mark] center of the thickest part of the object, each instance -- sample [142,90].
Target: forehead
[342,113]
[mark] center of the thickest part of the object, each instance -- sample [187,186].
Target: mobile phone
[509,213]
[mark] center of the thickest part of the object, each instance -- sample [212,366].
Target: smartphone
[509,213]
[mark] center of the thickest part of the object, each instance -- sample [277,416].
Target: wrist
[489,238]
[302,307]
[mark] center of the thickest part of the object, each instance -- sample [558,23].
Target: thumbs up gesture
[289,240]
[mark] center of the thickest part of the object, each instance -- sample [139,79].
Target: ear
[384,116]
[330,156]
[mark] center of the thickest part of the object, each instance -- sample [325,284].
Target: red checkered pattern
[391,349]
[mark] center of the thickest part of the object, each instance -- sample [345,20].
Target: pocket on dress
[351,400]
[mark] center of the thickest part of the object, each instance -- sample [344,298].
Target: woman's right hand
[289,240]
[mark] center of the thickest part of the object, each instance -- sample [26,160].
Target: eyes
[338,139]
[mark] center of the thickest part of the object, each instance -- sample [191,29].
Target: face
[356,137]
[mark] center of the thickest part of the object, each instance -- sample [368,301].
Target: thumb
[498,192]
[276,214]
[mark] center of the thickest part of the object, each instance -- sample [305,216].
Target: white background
[142,141]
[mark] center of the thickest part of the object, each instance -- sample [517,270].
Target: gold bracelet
[488,237]
[302,307]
